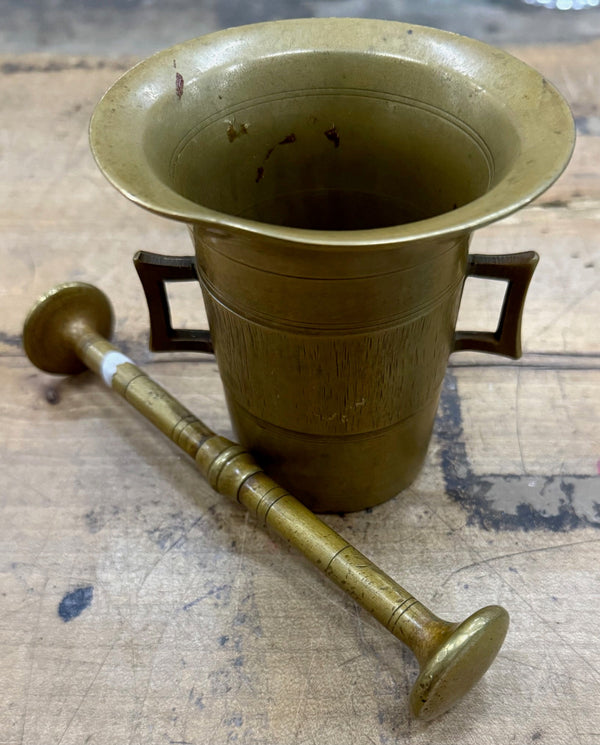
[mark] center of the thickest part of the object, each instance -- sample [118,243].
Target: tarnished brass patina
[332,172]
[64,333]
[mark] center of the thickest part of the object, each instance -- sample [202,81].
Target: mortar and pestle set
[332,173]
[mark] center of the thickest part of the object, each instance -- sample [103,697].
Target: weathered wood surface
[138,606]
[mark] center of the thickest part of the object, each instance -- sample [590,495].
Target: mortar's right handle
[517,270]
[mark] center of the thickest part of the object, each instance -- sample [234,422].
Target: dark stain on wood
[475,492]
[13,68]
[11,340]
[52,395]
[75,602]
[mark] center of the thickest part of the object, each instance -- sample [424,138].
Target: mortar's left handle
[154,271]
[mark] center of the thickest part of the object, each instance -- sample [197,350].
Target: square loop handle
[154,270]
[517,270]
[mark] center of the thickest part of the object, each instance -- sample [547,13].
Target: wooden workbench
[137,606]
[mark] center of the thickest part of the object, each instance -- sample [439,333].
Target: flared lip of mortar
[545,125]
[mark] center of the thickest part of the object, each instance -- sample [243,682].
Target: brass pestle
[65,333]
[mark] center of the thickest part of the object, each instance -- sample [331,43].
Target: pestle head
[46,337]
[459,662]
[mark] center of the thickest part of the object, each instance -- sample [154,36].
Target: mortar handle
[517,270]
[154,271]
